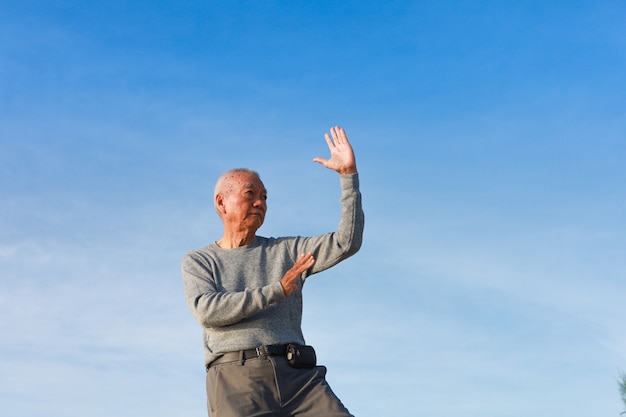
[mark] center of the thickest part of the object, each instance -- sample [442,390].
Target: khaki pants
[269,386]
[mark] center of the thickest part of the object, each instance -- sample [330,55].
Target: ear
[219,204]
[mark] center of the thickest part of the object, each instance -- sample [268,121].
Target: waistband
[242,355]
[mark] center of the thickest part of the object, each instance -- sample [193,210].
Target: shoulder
[201,255]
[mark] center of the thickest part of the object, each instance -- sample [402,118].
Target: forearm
[218,309]
[350,229]
[351,222]
[331,248]
[214,306]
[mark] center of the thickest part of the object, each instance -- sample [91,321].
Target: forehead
[245,180]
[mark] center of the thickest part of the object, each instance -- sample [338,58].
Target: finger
[333,132]
[301,260]
[305,259]
[305,262]
[324,162]
[342,135]
[330,142]
[339,134]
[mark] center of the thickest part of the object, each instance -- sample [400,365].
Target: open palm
[341,154]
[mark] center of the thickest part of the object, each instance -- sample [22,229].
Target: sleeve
[213,307]
[331,248]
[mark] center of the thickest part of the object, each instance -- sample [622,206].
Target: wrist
[347,171]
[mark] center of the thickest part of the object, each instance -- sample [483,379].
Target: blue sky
[490,139]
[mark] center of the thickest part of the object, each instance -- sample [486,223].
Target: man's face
[245,202]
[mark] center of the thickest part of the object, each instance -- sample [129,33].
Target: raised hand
[289,281]
[341,154]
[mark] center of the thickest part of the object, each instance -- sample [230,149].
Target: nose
[260,202]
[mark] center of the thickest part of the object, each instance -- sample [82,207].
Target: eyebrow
[251,185]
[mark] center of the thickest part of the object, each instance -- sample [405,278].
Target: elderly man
[246,292]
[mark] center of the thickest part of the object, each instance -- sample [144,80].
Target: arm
[332,248]
[214,307]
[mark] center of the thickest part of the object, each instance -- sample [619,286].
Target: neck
[230,241]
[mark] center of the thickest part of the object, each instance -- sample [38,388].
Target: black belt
[242,355]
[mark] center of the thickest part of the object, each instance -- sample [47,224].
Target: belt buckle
[261,351]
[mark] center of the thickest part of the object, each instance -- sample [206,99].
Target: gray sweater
[236,295]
